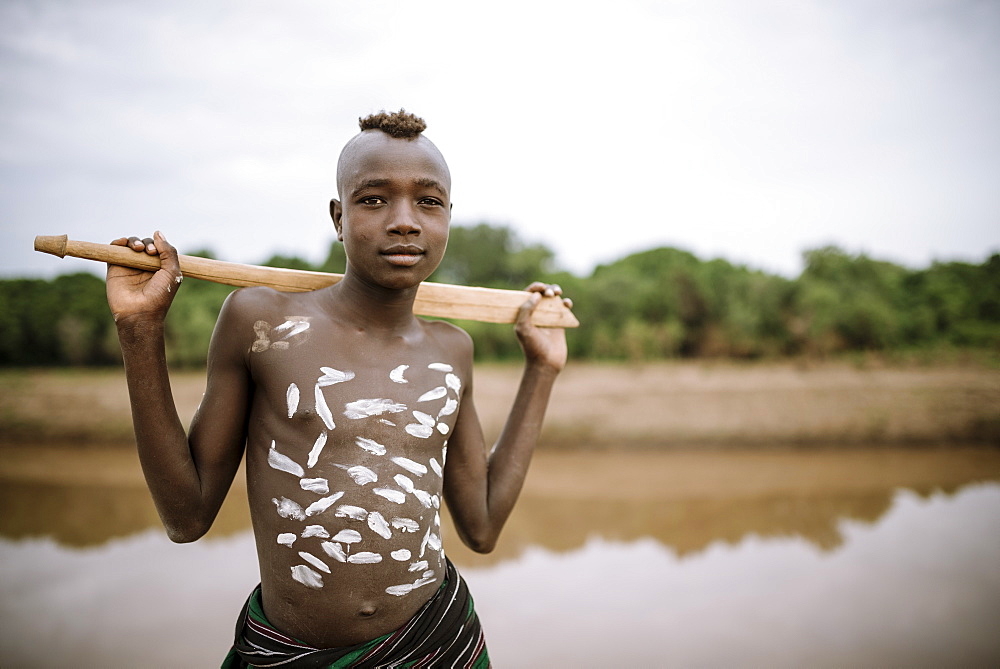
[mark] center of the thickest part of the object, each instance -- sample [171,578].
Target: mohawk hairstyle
[400,125]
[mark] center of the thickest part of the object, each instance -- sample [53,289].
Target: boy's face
[395,209]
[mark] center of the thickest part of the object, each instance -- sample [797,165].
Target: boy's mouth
[404,255]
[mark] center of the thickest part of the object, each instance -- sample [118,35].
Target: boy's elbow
[480,544]
[185,533]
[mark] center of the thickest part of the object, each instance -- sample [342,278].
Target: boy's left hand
[542,346]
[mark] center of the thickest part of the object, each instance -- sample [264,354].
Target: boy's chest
[323,379]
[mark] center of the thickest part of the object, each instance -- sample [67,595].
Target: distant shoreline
[656,406]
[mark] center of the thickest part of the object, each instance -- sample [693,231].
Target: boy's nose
[404,222]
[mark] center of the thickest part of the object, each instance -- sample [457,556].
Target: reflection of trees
[686,526]
[727,499]
[90,515]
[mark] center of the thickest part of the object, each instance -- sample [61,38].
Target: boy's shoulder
[253,308]
[449,336]
[255,300]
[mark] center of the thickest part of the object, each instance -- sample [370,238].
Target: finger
[121,241]
[136,244]
[168,256]
[150,246]
[568,303]
[537,287]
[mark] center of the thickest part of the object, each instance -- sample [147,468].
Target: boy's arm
[188,478]
[481,488]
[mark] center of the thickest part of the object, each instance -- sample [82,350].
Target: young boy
[356,418]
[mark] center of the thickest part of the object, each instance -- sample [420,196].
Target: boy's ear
[337,214]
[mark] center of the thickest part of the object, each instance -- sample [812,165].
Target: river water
[770,558]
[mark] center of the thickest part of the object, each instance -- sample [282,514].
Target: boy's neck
[373,307]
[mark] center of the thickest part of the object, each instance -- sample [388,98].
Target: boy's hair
[401,125]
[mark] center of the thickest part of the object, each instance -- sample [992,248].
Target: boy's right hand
[135,294]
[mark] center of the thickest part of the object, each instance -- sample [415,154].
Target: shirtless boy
[357,420]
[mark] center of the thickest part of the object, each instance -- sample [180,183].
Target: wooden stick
[440,300]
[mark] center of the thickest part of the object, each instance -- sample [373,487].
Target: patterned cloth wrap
[445,632]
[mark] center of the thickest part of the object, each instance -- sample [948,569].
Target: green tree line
[657,304]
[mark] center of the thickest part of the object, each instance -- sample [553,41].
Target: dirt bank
[663,405]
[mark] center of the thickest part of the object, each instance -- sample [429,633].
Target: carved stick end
[54,244]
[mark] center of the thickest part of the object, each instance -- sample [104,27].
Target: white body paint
[316,450]
[322,409]
[423,542]
[409,465]
[390,494]
[295,325]
[283,462]
[364,557]
[405,524]
[418,566]
[402,555]
[419,431]
[315,531]
[334,550]
[453,382]
[424,497]
[423,418]
[403,482]
[348,536]
[314,561]
[307,576]
[436,467]
[372,407]
[370,445]
[318,486]
[332,376]
[449,407]
[378,525]
[288,509]
[263,342]
[435,394]
[361,474]
[292,399]
[352,512]
[434,541]
[397,374]
[321,505]
[406,588]
[440,367]
[286,538]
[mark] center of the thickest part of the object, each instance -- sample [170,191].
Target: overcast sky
[738,129]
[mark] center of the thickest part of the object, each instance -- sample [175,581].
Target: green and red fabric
[444,633]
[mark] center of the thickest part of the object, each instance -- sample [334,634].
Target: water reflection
[685,501]
[919,588]
[771,558]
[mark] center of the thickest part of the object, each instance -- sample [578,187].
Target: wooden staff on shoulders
[438,300]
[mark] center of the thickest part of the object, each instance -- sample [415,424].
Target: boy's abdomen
[349,540]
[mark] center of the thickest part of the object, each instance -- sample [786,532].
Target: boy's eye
[431,201]
[372,199]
